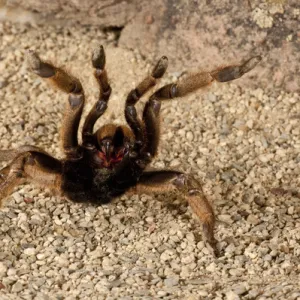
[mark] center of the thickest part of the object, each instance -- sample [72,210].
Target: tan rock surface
[242,143]
[195,34]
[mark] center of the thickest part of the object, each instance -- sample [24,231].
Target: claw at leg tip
[161,67]
[98,57]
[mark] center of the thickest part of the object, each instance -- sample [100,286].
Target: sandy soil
[242,144]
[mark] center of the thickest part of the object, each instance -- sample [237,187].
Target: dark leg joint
[75,100]
[133,97]
[180,181]
[106,94]
[101,106]
[168,91]
[77,88]
[131,112]
[155,105]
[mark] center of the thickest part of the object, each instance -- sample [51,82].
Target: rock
[3,269]
[252,219]
[232,296]
[29,251]
[225,218]
[172,281]
[17,287]
[160,28]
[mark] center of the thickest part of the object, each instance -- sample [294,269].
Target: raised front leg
[68,84]
[151,119]
[98,60]
[190,189]
[201,80]
[132,119]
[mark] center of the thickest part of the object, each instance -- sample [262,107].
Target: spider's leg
[168,181]
[134,95]
[13,153]
[33,167]
[98,60]
[203,79]
[151,119]
[70,85]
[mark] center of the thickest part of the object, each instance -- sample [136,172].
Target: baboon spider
[112,160]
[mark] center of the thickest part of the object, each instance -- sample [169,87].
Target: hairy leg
[98,60]
[33,167]
[13,153]
[133,97]
[200,80]
[151,119]
[70,85]
[190,189]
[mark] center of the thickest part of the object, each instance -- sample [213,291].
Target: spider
[112,160]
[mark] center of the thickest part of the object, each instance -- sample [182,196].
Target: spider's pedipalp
[137,126]
[99,108]
[145,85]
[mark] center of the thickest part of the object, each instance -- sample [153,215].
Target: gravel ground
[242,144]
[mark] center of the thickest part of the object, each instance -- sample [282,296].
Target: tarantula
[112,160]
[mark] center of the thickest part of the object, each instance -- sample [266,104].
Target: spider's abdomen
[78,184]
[83,184]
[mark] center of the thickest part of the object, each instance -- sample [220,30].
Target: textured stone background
[243,144]
[194,34]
